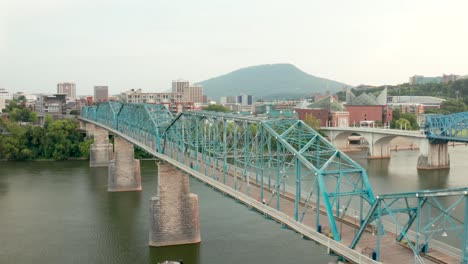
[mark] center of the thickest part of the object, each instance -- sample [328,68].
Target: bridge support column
[380,150]
[124,171]
[339,142]
[101,150]
[174,210]
[89,129]
[433,156]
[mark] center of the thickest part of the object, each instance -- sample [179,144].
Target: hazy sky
[147,43]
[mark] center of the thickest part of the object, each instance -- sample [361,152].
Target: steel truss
[443,128]
[273,150]
[145,122]
[417,217]
[269,151]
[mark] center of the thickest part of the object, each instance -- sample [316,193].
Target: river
[61,212]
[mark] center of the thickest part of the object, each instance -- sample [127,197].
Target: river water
[61,212]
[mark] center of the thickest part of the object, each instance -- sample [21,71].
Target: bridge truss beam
[273,150]
[443,128]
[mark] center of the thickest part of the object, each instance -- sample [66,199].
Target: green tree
[313,122]
[453,106]
[403,123]
[216,108]
[412,119]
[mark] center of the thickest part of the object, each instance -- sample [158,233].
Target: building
[245,99]
[5,94]
[328,110]
[138,96]
[4,97]
[101,93]
[2,104]
[425,101]
[51,104]
[69,89]
[193,93]
[179,85]
[368,107]
[445,78]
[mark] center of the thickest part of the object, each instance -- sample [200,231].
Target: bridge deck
[391,251]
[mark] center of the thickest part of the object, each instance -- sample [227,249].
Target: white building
[4,96]
[69,89]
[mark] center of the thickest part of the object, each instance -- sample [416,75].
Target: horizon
[147,44]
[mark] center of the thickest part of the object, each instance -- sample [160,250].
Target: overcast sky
[147,43]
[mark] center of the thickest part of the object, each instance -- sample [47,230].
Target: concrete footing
[434,156]
[124,171]
[174,210]
[101,150]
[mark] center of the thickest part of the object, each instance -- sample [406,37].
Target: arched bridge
[286,170]
[432,139]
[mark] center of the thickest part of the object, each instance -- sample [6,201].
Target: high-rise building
[101,93]
[245,99]
[69,89]
[193,93]
[179,85]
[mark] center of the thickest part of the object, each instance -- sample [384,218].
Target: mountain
[271,81]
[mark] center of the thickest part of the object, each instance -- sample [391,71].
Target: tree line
[57,140]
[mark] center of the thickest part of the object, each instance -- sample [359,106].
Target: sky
[146,44]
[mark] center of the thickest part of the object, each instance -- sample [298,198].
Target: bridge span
[431,155]
[286,170]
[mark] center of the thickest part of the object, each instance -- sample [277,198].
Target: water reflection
[187,253]
[433,179]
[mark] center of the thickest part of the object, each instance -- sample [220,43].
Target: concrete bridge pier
[174,210]
[89,127]
[338,139]
[124,170]
[379,147]
[433,156]
[101,150]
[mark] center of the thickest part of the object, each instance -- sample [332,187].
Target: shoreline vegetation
[56,140]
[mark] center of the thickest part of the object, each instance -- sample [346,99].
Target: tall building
[69,89]
[101,93]
[245,99]
[179,85]
[193,93]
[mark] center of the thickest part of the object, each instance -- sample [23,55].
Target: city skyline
[147,44]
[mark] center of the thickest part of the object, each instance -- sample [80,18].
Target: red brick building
[358,113]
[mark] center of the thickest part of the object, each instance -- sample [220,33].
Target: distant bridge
[432,139]
[286,170]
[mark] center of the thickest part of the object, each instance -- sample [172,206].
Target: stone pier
[124,169]
[174,210]
[433,156]
[89,127]
[101,150]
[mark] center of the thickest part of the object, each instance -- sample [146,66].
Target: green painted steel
[444,128]
[267,151]
[273,150]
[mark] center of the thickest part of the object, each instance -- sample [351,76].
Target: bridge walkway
[392,252]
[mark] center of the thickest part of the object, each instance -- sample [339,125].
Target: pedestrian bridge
[287,171]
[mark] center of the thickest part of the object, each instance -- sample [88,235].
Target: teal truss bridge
[294,171]
[444,128]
